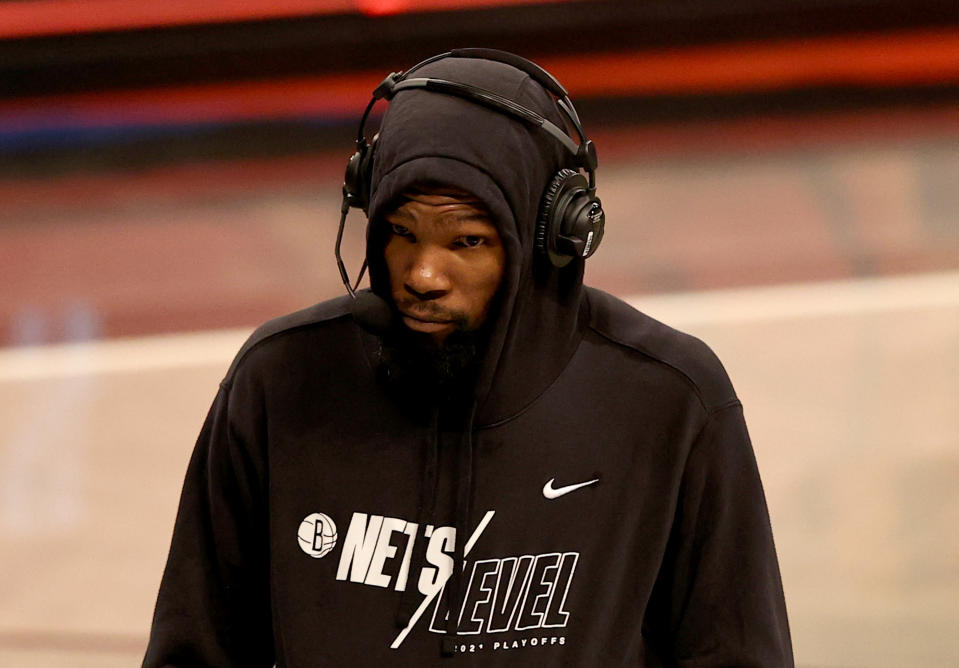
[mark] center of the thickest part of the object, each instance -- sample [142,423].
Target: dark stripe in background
[267,78]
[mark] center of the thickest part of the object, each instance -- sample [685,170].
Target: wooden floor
[822,268]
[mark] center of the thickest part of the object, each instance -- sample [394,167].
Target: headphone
[571,217]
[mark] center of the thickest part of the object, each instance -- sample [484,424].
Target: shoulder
[277,336]
[681,354]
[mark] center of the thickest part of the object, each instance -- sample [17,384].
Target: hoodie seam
[584,317]
[678,371]
[534,400]
[522,411]
[228,380]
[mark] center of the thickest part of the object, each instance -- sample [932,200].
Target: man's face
[445,259]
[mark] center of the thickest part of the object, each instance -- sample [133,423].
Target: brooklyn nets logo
[317,535]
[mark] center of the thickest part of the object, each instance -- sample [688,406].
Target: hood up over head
[428,137]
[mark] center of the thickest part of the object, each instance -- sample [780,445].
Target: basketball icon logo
[317,535]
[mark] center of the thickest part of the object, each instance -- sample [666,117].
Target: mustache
[428,310]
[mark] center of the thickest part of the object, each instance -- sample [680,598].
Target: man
[481,460]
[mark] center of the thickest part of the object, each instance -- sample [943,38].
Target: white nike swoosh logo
[554,493]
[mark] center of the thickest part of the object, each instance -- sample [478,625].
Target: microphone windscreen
[372,313]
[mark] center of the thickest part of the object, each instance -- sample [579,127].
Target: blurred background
[780,178]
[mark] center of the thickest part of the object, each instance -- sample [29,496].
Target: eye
[400,230]
[470,241]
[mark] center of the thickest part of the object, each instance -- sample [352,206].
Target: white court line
[798,301]
[149,353]
[742,305]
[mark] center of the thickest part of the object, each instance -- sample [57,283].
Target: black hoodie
[598,471]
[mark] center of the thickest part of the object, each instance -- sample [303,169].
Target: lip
[426,326]
[426,321]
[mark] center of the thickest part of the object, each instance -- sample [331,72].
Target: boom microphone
[370,311]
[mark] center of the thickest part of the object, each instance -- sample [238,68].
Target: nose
[427,277]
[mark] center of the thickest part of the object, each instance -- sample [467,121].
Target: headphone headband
[541,76]
[584,153]
[490,99]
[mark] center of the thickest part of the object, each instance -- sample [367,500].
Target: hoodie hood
[434,138]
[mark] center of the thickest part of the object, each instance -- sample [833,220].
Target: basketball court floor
[818,257]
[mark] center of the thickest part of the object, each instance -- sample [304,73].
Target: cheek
[487,278]
[395,260]
[497,268]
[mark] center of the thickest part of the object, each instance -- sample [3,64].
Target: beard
[419,373]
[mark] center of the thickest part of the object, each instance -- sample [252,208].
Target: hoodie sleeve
[719,598]
[213,607]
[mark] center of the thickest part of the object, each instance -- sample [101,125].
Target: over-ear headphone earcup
[359,175]
[548,225]
[571,221]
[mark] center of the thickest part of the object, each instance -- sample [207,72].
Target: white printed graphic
[513,594]
[554,493]
[317,535]
[477,532]
[503,594]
